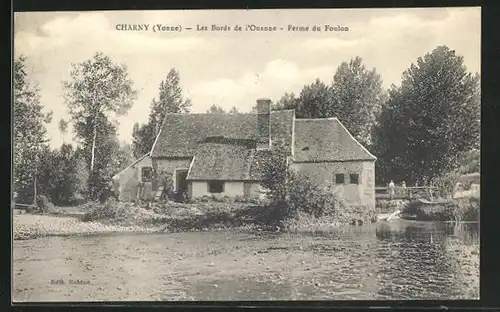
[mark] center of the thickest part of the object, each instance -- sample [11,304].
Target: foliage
[290,192]
[233,110]
[108,155]
[97,87]
[287,101]
[63,177]
[309,197]
[170,100]
[43,204]
[276,174]
[429,120]
[109,209]
[470,162]
[142,139]
[28,131]
[215,109]
[314,101]
[63,128]
[464,209]
[357,98]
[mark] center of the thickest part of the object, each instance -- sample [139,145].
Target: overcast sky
[235,68]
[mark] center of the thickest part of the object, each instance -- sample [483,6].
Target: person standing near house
[391,189]
[403,186]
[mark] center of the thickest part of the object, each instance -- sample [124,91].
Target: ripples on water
[400,260]
[395,261]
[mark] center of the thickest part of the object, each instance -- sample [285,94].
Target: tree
[106,146]
[97,86]
[63,178]
[29,132]
[142,139]
[215,109]
[233,110]
[63,128]
[287,101]
[313,101]
[430,120]
[356,98]
[170,100]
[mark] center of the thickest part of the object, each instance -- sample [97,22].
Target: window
[339,178]
[354,178]
[146,174]
[215,186]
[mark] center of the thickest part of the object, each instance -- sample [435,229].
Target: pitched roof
[130,166]
[326,139]
[216,161]
[181,134]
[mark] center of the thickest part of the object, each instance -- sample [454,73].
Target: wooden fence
[20,206]
[411,192]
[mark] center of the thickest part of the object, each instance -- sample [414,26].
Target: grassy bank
[168,217]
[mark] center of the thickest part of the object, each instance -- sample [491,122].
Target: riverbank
[458,210]
[171,217]
[30,226]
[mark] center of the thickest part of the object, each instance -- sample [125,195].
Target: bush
[43,203]
[291,193]
[307,196]
[111,209]
[463,209]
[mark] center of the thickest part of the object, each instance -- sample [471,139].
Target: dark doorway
[181,182]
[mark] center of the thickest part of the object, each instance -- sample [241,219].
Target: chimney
[263,123]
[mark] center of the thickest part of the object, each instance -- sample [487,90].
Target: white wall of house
[324,173]
[200,188]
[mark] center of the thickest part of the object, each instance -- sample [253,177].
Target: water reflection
[417,261]
[395,261]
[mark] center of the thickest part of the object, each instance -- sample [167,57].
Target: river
[400,260]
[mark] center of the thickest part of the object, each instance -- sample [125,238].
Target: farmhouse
[220,154]
[130,181]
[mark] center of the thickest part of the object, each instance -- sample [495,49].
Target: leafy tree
[142,139]
[313,101]
[287,101]
[124,156]
[430,120]
[64,175]
[170,100]
[29,132]
[233,110]
[106,146]
[356,98]
[97,87]
[470,161]
[215,109]
[63,127]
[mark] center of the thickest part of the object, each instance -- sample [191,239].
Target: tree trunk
[92,160]
[34,188]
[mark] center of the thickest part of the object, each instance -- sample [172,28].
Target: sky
[234,68]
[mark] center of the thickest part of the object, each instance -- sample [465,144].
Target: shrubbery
[291,193]
[110,210]
[463,209]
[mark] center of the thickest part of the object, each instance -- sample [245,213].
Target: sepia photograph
[246,155]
